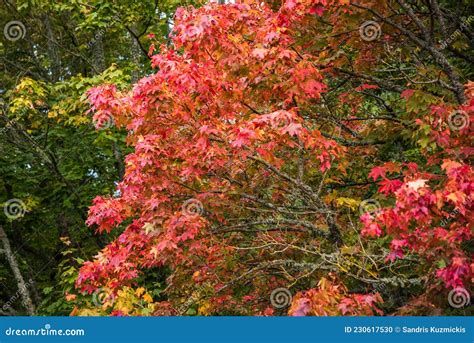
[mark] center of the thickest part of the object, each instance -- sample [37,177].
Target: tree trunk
[135,57]
[98,55]
[52,49]
[22,287]
[119,164]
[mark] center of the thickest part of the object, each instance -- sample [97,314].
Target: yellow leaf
[147,297]
[139,291]
[457,197]
[347,202]
[52,114]
[88,312]
[205,309]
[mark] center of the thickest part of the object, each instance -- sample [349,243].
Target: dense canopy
[298,157]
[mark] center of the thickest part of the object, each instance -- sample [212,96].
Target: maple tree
[262,132]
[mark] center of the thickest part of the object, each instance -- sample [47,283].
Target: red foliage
[433,213]
[218,133]
[332,299]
